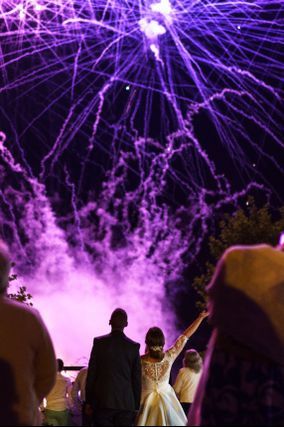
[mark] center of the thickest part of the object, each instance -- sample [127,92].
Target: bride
[159,404]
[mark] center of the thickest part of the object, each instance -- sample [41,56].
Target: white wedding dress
[159,404]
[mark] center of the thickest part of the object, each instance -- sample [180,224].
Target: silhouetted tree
[248,226]
[22,295]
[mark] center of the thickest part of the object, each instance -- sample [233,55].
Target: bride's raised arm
[195,324]
[180,343]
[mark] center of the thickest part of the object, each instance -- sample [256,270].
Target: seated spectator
[27,359]
[188,378]
[243,376]
[58,400]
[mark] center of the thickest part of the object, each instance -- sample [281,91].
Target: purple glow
[132,80]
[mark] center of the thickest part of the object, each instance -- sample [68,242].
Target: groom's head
[118,319]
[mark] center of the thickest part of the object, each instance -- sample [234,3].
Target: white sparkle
[164,7]
[152,29]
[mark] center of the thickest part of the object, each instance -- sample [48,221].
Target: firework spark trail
[126,20]
[65,284]
[123,84]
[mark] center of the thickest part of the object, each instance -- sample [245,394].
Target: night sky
[159,134]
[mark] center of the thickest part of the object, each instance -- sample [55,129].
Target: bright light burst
[218,56]
[175,105]
[223,56]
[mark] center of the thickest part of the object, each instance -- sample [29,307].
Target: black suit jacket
[114,373]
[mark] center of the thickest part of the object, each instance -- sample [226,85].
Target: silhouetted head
[60,365]
[155,341]
[5,267]
[118,319]
[192,360]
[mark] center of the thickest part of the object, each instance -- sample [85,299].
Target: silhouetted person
[58,399]
[188,378]
[113,385]
[78,394]
[8,395]
[27,354]
[243,375]
[159,405]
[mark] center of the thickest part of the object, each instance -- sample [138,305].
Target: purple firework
[126,127]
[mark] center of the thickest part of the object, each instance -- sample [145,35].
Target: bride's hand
[203,314]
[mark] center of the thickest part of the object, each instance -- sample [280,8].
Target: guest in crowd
[27,359]
[113,387]
[56,412]
[243,377]
[188,377]
[78,394]
[159,404]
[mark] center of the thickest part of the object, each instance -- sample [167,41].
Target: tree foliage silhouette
[248,226]
[21,295]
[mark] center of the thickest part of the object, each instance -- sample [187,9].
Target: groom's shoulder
[131,342]
[101,338]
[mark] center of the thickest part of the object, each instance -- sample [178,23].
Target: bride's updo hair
[155,341]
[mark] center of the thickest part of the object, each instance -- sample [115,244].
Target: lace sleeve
[177,348]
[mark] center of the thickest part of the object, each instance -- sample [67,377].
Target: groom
[113,386]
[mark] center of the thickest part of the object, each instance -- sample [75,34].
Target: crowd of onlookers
[240,381]
[65,404]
